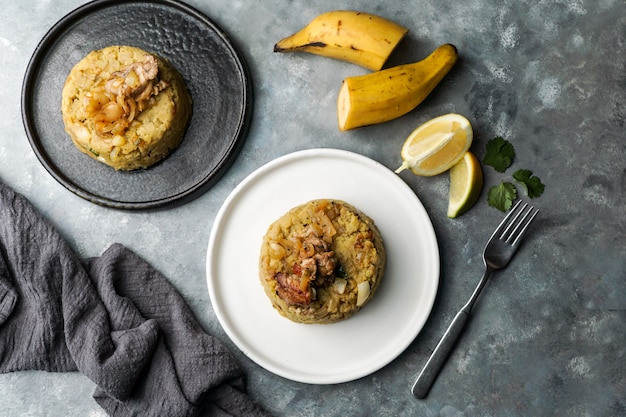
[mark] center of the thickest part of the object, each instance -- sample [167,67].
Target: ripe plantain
[385,95]
[360,38]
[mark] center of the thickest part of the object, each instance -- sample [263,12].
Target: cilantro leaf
[500,154]
[502,196]
[532,183]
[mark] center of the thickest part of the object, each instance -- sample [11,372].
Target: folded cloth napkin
[114,318]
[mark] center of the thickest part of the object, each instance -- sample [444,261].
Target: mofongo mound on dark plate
[125,107]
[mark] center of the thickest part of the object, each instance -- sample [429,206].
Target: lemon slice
[435,146]
[466,183]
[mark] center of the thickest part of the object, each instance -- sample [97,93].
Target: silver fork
[499,250]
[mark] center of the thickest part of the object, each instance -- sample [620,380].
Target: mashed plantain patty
[125,107]
[321,262]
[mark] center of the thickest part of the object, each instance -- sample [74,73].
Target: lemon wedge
[435,146]
[466,183]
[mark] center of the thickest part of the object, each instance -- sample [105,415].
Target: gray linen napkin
[114,318]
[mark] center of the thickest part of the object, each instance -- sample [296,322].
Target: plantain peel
[360,38]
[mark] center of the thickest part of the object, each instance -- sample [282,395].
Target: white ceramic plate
[325,353]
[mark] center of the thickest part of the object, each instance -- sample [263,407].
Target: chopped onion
[340,285]
[363,292]
[276,251]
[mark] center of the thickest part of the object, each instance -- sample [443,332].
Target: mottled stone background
[548,337]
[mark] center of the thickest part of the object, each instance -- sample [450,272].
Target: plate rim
[217,232]
[33,71]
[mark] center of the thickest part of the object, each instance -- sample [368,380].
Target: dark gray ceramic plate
[216,76]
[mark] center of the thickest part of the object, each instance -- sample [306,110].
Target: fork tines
[516,223]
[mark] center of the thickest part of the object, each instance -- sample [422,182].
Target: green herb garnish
[500,154]
[532,183]
[340,272]
[502,196]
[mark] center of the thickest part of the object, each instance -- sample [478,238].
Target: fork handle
[430,371]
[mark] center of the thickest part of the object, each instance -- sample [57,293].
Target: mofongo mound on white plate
[321,262]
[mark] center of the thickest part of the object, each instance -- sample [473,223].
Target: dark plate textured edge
[175,200]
